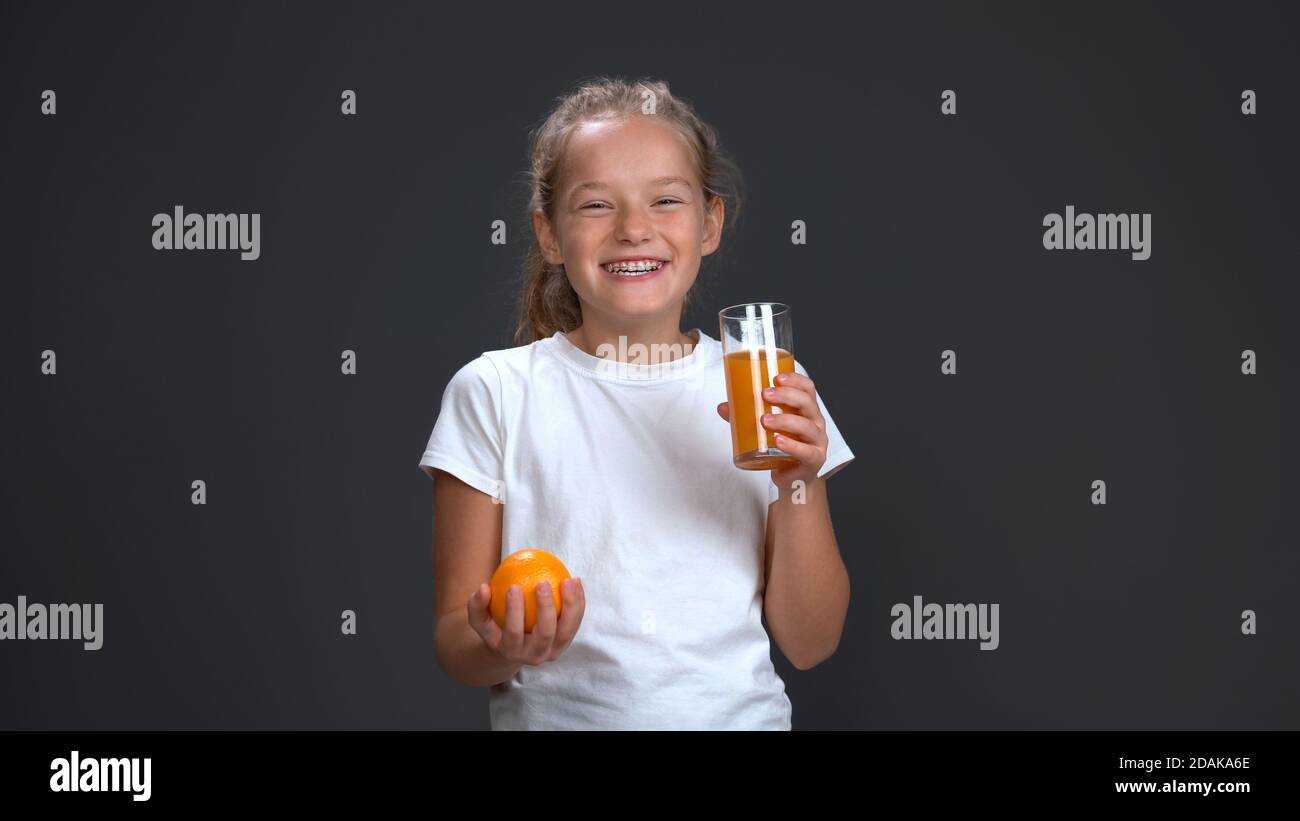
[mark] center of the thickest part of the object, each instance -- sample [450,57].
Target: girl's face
[628,192]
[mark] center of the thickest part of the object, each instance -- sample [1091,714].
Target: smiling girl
[625,473]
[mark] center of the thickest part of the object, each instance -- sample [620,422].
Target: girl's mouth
[634,271]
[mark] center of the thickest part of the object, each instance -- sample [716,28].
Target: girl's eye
[602,205]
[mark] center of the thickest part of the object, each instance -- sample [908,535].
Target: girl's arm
[466,551]
[806,595]
[807,591]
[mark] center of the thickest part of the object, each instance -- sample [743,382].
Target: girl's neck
[594,334]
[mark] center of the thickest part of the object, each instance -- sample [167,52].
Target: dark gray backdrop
[924,234]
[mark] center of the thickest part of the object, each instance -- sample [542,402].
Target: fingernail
[769,391]
[544,587]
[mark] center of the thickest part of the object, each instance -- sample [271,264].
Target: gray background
[924,234]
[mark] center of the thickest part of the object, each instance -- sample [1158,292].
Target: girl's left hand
[800,429]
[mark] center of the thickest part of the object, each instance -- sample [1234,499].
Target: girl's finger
[570,617]
[571,612]
[795,380]
[480,617]
[804,452]
[543,634]
[802,401]
[724,410]
[512,638]
[796,426]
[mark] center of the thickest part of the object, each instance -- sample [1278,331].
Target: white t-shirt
[625,473]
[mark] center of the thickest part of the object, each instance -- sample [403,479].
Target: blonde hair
[547,302]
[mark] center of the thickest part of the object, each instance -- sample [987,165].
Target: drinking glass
[757,344]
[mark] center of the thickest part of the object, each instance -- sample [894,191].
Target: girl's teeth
[633,268]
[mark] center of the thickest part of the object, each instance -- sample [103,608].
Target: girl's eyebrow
[582,186]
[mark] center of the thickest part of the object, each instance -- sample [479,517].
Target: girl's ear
[546,238]
[713,220]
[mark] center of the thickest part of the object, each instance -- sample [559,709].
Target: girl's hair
[547,302]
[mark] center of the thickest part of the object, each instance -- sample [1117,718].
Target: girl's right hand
[550,636]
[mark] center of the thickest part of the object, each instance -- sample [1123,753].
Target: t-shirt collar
[639,368]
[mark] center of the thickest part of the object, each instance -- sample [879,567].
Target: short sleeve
[467,437]
[837,450]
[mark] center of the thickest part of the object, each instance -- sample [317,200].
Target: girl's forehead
[636,149]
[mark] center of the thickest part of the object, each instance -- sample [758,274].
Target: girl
[623,468]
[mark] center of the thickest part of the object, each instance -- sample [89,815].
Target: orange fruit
[526,568]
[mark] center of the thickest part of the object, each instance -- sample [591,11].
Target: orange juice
[748,373]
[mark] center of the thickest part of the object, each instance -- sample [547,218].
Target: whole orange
[526,568]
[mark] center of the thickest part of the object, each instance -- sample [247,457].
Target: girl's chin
[646,303]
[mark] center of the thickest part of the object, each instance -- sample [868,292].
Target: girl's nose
[633,225]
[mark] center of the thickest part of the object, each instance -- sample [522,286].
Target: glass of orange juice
[757,344]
